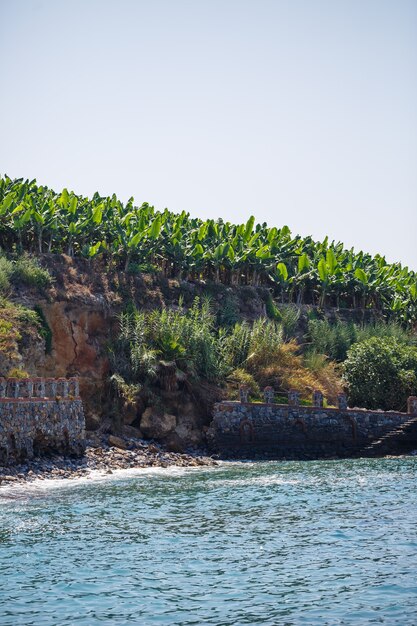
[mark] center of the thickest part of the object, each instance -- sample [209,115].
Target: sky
[299,112]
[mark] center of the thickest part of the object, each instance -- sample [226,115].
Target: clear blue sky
[301,112]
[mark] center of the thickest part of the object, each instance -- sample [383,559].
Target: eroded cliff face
[80,334]
[80,310]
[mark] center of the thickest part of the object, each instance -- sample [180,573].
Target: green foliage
[44,329]
[299,270]
[15,322]
[245,345]
[290,315]
[272,310]
[6,270]
[381,373]
[335,339]
[229,313]
[187,338]
[127,391]
[23,269]
[239,377]
[28,270]
[9,336]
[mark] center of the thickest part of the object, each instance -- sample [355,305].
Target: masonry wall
[246,430]
[39,416]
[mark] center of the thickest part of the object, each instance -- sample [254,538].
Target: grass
[335,339]
[24,269]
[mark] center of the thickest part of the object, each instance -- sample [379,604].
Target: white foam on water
[41,486]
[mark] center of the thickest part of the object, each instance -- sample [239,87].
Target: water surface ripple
[327,542]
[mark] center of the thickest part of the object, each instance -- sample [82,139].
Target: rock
[155,424]
[174,443]
[130,412]
[117,442]
[134,433]
[92,421]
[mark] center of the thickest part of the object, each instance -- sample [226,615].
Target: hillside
[160,315]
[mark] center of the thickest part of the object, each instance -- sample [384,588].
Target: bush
[381,373]
[228,314]
[6,270]
[241,377]
[187,338]
[327,374]
[27,269]
[333,340]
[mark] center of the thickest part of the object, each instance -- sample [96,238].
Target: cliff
[78,316]
[79,319]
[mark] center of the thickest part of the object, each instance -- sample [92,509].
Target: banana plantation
[38,220]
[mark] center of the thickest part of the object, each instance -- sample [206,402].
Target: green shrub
[381,373]
[290,315]
[44,328]
[241,377]
[271,309]
[333,340]
[187,338]
[6,270]
[27,269]
[251,343]
[229,313]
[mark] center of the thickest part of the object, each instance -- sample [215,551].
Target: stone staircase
[398,441]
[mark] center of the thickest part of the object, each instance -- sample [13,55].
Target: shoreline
[107,455]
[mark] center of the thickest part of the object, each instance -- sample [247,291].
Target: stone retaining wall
[251,430]
[40,415]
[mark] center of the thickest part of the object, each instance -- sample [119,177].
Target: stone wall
[253,430]
[40,415]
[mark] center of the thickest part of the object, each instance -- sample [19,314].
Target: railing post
[14,388]
[293,398]
[30,388]
[342,402]
[317,399]
[3,387]
[412,405]
[243,393]
[269,395]
[36,387]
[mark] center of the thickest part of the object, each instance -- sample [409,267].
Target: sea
[311,543]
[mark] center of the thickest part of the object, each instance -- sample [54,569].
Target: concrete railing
[39,388]
[317,399]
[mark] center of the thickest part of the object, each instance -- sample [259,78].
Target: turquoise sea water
[326,542]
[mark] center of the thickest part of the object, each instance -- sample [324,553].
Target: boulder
[117,442]
[131,431]
[130,413]
[189,428]
[174,443]
[155,424]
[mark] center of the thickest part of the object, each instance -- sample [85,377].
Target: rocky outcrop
[155,424]
[80,334]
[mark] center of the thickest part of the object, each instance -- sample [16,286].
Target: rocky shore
[106,453]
